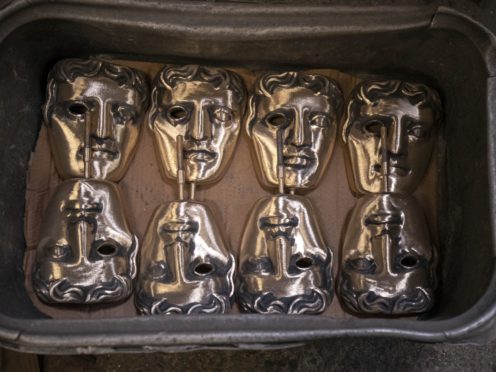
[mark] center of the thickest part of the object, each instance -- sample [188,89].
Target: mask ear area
[133,253]
[250,115]
[154,107]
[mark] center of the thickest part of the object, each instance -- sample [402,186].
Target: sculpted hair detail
[367,92]
[66,71]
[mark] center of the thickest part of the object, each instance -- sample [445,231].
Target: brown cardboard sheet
[231,199]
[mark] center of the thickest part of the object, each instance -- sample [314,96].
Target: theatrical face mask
[86,254]
[388,259]
[205,106]
[285,266]
[307,109]
[111,99]
[185,266]
[390,133]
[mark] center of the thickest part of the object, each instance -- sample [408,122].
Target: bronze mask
[111,98]
[185,265]
[86,253]
[388,259]
[205,106]
[390,132]
[285,266]
[306,108]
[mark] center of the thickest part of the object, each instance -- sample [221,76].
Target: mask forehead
[197,92]
[399,108]
[298,98]
[97,88]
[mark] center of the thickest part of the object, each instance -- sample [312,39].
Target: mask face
[285,266]
[205,106]
[388,260]
[396,160]
[185,266]
[86,254]
[112,110]
[308,121]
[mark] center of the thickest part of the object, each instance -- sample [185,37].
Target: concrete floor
[329,355]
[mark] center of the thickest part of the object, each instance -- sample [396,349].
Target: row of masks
[88,254]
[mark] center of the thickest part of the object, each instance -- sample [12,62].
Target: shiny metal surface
[307,109]
[86,253]
[388,259]
[285,266]
[205,106]
[112,98]
[390,131]
[186,267]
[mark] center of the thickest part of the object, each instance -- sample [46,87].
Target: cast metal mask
[388,259]
[185,265]
[205,106]
[285,266]
[112,98]
[307,109]
[390,133]
[86,254]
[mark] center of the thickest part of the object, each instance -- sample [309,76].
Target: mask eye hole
[107,250]
[409,262]
[177,114]
[204,269]
[77,109]
[304,263]
[277,119]
[374,127]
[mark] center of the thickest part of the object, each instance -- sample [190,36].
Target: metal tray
[449,49]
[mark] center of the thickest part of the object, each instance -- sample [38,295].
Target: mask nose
[280,255]
[382,249]
[102,121]
[200,128]
[175,256]
[82,235]
[299,130]
[397,141]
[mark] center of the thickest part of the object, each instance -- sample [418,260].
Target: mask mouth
[101,149]
[418,300]
[298,158]
[63,291]
[214,304]
[199,151]
[313,301]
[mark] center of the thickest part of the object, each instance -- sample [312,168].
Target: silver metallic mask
[285,266]
[205,106]
[306,108]
[390,131]
[388,259]
[111,98]
[185,265]
[86,253]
